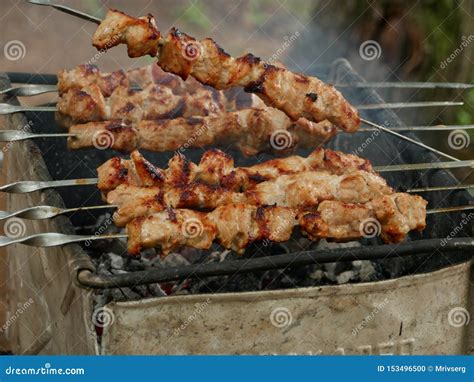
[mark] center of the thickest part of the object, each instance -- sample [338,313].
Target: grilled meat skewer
[217,169]
[87,95]
[153,102]
[251,131]
[235,226]
[297,95]
[300,190]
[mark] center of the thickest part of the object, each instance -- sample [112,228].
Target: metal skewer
[404,105]
[425,166]
[438,128]
[54,239]
[18,135]
[28,91]
[32,90]
[449,209]
[441,188]
[26,186]
[68,10]
[36,89]
[406,85]
[6,108]
[47,212]
[411,140]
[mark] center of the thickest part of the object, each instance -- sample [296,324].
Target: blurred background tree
[416,39]
[430,40]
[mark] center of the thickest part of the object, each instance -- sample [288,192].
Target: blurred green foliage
[194,15]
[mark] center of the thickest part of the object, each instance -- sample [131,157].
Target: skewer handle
[27,186]
[6,108]
[18,135]
[28,91]
[47,212]
[53,239]
[37,212]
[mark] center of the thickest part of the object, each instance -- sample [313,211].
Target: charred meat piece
[139,34]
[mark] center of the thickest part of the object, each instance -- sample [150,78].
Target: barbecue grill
[62,279]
